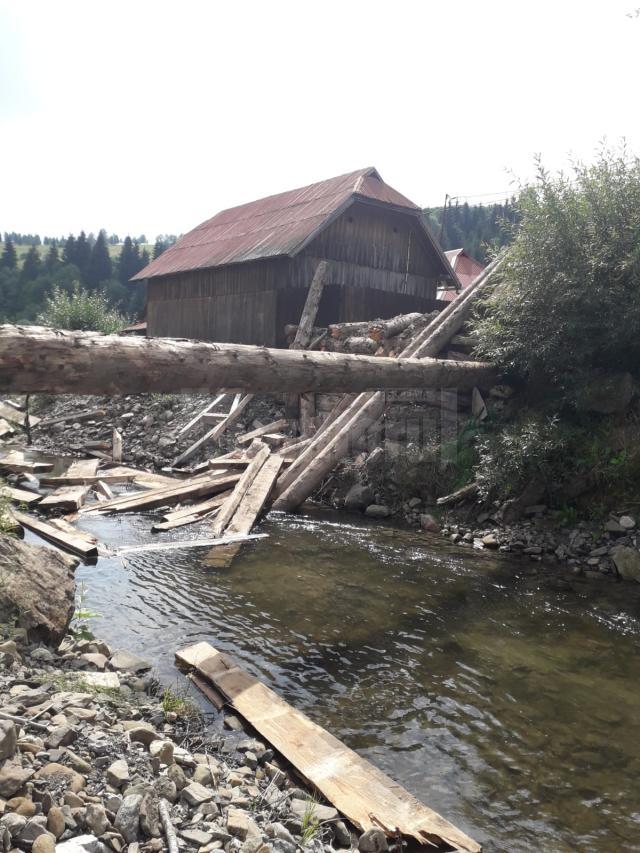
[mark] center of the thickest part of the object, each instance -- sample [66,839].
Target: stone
[22,806]
[238,823]
[197,837]
[38,589]
[125,661]
[34,827]
[14,823]
[44,843]
[490,541]
[308,809]
[162,750]
[202,775]
[150,816]
[118,773]
[143,734]
[102,680]
[341,833]
[43,655]
[377,511]
[196,794]
[55,821]
[127,820]
[96,819]
[277,830]
[627,562]
[8,739]
[428,523]
[166,788]
[613,526]
[95,659]
[60,736]
[627,522]
[358,497]
[176,775]
[12,778]
[81,844]
[373,841]
[65,775]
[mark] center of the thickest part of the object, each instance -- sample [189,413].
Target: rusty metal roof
[278,225]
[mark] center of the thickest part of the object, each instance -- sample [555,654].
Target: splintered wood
[364,795]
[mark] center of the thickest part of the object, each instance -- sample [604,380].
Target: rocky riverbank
[96,757]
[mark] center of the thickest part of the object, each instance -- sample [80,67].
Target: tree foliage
[569,297]
[479,229]
[81,310]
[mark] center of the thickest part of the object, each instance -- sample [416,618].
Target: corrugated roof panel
[269,227]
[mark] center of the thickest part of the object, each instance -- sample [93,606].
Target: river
[503,699]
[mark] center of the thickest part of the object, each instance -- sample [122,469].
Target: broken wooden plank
[73,543]
[304,331]
[255,498]
[14,416]
[65,499]
[102,488]
[18,463]
[217,431]
[75,418]
[114,474]
[6,430]
[226,513]
[116,446]
[191,514]
[83,468]
[360,791]
[274,426]
[21,496]
[188,543]
[186,490]
[196,420]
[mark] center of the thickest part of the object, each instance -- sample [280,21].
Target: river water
[506,703]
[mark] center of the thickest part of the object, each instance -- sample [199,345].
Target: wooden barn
[244,274]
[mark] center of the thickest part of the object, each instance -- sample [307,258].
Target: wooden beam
[35,359]
[73,543]
[21,496]
[304,331]
[216,432]
[231,505]
[65,499]
[188,543]
[14,416]
[361,792]
[256,497]
[196,420]
[274,426]
[16,462]
[77,417]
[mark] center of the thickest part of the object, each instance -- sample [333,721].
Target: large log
[36,359]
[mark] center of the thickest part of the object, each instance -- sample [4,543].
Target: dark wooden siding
[380,265]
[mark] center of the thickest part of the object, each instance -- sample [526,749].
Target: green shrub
[81,310]
[569,296]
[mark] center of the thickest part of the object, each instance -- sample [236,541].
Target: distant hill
[476,228]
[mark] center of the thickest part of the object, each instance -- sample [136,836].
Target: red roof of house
[278,225]
[465,267]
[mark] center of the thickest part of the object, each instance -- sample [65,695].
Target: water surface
[508,705]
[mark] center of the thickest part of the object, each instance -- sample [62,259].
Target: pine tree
[32,266]
[52,260]
[9,258]
[69,251]
[99,268]
[159,247]
[129,262]
[83,253]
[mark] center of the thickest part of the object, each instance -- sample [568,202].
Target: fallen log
[381,329]
[361,792]
[35,359]
[463,494]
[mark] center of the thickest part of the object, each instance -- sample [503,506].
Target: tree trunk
[34,359]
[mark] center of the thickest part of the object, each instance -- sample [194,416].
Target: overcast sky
[151,116]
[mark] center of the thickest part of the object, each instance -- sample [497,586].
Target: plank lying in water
[15,416]
[114,474]
[363,794]
[21,496]
[65,499]
[16,461]
[255,497]
[191,514]
[188,543]
[76,544]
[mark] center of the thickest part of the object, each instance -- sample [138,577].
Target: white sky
[151,116]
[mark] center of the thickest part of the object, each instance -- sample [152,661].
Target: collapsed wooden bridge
[267,469]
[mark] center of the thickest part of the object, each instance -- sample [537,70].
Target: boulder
[37,587]
[429,524]
[627,562]
[377,511]
[12,778]
[358,497]
[125,661]
[128,818]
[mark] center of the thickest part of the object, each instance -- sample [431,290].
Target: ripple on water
[507,706]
